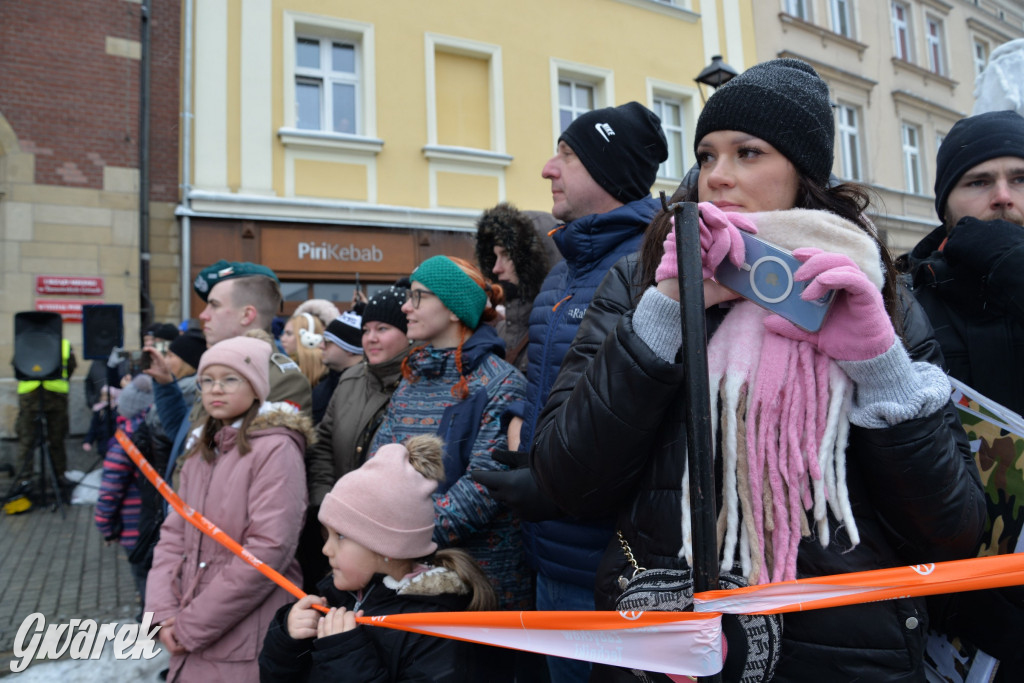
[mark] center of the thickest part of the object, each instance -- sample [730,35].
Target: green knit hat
[456,290]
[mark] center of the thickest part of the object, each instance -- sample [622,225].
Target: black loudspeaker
[102,330]
[37,337]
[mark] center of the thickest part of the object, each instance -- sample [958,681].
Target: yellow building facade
[344,141]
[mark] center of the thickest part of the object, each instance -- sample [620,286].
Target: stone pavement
[59,567]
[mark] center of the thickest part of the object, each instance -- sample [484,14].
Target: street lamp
[716,74]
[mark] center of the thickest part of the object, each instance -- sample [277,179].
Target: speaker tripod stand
[21,486]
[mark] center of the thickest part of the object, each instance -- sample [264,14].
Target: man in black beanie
[601,177]
[968,275]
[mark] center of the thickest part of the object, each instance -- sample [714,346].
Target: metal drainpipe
[186,166]
[145,301]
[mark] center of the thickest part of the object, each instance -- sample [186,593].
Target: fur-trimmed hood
[271,416]
[524,235]
[282,414]
[429,580]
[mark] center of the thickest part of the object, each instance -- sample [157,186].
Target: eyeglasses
[228,385]
[415,296]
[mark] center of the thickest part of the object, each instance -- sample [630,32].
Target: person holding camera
[898,485]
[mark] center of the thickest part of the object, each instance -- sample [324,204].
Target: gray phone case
[766,278]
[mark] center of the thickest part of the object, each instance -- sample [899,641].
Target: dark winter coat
[972,288]
[569,550]
[373,653]
[524,235]
[978,317]
[155,444]
[607,441]
[350,422]
[322,393]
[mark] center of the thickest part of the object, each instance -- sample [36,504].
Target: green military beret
[227,270]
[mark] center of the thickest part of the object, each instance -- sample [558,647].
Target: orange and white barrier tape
[871,586]
[203,524]
[685,643]
[682,643]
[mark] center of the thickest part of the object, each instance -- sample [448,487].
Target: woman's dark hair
[847,200]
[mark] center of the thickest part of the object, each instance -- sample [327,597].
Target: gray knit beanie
[136,397]
[785,103]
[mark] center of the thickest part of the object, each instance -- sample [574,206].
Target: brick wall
[69,158]
[71,88]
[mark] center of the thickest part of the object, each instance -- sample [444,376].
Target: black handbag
[753,640]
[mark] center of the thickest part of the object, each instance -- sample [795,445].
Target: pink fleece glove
[857,326]
[719,238]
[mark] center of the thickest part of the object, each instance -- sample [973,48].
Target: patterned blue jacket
[466,515]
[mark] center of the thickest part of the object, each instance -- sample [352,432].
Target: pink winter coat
[221,605]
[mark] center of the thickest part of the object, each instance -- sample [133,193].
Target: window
[798,8]
[575,89]
[670,112]
[912,158]
[849,140]
[936,60]
[980,56]
[326,85]
[841,18]
[901,30]
[574,98]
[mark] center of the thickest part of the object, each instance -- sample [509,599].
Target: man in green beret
[243,296]
[240,297]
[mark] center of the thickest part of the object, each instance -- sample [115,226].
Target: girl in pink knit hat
[244,470]
[379,521]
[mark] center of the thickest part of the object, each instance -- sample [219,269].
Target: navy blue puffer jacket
[569,550]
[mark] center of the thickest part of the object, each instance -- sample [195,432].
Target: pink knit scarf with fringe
[782,412]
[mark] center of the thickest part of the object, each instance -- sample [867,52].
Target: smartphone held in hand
[766,278]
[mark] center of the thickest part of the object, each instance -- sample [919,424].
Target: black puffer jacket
[978,315]
[375,653]
[606,439]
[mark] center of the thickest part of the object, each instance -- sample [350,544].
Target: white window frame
[842,16]
[326,77]
[850,137]
[298,25]
[912,170]
[318,145]
[676,152]
[602,80]
[935,36]
[798,9]
[901,30]
[980,60]
[574,109]
[689,100]
[434,43]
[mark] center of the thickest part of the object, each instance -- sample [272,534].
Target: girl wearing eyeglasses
[457,385]
[244,471]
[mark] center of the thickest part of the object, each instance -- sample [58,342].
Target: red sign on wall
[63,284]
[70,311]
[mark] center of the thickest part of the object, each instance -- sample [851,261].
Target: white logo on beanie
[605,130]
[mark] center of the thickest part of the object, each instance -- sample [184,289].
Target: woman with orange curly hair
[457,385]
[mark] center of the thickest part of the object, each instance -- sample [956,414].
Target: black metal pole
[699,451]
[145,301]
